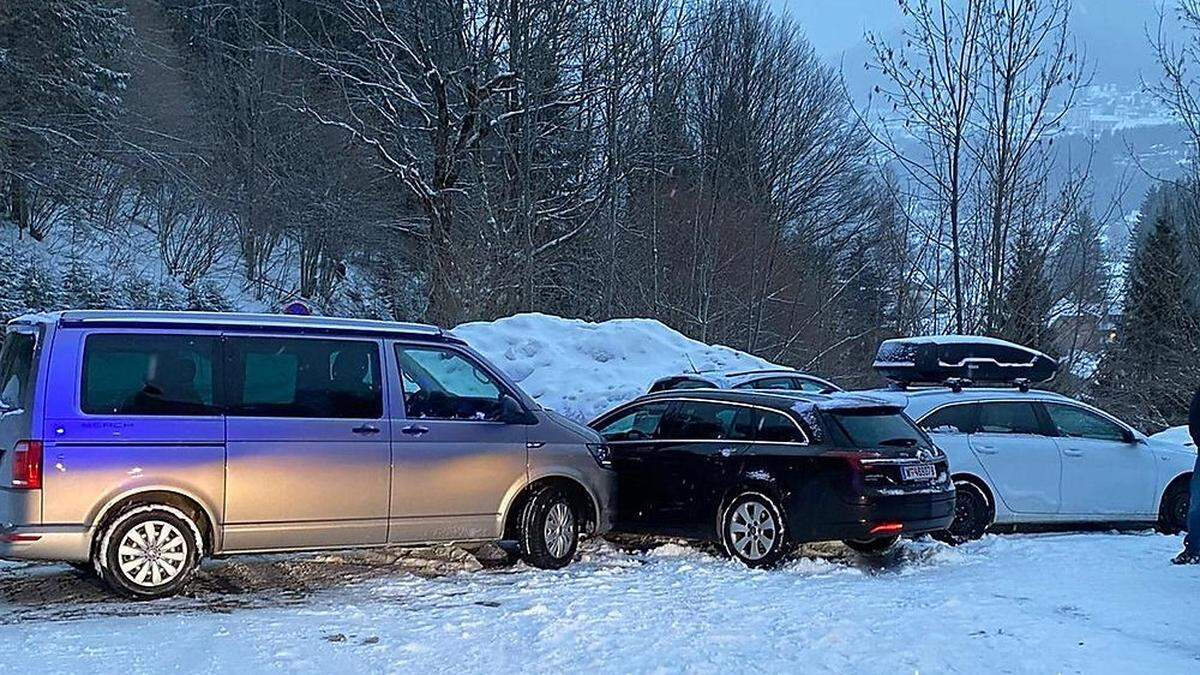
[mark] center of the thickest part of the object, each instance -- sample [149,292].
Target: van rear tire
[150,551]
[549,529]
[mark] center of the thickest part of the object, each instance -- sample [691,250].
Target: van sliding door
[309,456]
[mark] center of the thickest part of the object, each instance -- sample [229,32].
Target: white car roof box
[950,359]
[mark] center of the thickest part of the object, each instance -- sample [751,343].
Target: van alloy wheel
[152,553]
[560,530]
[548,531]
[149,551]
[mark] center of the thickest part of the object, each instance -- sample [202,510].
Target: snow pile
[581,369]
[1178,435]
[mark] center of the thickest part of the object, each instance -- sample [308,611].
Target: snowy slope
[581,369]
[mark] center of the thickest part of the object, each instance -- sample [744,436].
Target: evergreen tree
[11,303]
[83,288]
[59,88]
[204,296]
[39,288]
[1027,299]
[1148,375]
[1078,273]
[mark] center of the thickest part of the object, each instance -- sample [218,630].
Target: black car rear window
[873,427]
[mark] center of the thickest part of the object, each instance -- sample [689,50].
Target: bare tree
[1032,74]
[933,86]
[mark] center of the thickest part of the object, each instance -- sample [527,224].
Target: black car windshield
[874,427]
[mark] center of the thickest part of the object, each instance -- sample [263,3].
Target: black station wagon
[760,472]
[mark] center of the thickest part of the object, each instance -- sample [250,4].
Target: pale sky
[1112,32]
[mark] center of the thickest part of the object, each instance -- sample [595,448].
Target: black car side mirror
[1129,436]
[512,412]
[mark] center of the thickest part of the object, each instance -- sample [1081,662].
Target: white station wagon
[1040,458]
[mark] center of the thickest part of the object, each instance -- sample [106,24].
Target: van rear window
[16,370]
[128,374]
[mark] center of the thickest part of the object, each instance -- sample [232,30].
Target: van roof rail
[246,321]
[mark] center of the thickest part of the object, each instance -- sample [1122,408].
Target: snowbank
[581,369]
[1178,435]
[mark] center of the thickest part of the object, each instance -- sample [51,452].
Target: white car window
[1076,422]
[1008,417]
[953,419]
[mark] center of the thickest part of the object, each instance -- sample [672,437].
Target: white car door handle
[1072,452]
[986,449]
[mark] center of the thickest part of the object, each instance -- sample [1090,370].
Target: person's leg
[1191,543]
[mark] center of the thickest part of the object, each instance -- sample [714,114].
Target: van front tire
[549,529]
[150,551]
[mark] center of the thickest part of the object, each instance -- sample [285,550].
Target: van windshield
[875,427]
[16,368]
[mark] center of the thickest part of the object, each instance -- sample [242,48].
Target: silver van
[138,443]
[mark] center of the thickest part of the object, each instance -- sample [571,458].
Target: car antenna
[691,363]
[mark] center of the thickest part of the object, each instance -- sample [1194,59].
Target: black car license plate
[918,472]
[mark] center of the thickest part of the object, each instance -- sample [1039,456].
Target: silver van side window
[148,374]
[443,384]
[303,377]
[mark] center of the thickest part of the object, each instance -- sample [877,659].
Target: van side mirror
[512,412]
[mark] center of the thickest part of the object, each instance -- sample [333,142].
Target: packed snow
[581,369]
[1017,604]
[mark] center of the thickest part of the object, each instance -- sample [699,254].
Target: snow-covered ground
[1091,603]
[581,369]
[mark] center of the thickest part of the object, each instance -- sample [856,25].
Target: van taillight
[27,465]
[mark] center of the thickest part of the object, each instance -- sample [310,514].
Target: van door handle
[366,429]
[414,430]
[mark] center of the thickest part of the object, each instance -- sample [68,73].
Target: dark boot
[1186,558]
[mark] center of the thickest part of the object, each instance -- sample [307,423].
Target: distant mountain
[1129,139]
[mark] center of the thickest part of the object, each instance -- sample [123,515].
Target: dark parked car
[760,472]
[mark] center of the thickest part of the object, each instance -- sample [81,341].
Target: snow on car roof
[732,379]
[961,340]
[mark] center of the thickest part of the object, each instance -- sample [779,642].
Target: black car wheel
[872,546]
[1172,518]
[549,533]
[973,515]
[753,530]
